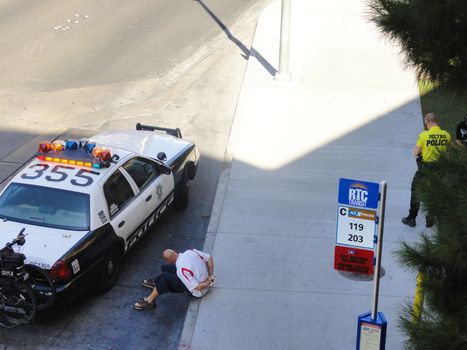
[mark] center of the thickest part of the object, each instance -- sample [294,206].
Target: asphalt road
[169,63]
[51,45]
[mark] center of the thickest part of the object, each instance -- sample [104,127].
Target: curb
[193,309]
[192,313]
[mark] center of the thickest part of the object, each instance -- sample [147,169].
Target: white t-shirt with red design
[192,270]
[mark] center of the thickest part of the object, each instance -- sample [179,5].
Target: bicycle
[24,288]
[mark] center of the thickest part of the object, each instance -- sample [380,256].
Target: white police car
[85,203]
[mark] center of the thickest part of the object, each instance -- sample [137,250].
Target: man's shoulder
[443,134]
[423,134]
[186,255]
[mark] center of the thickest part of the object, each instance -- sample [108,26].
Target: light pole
[284,45]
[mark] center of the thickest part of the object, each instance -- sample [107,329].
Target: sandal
[149,283]
[144,304]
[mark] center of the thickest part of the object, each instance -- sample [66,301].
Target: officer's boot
[409,221]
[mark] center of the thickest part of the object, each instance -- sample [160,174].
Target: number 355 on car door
[356,227]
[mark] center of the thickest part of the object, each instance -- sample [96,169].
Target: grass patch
[448,103]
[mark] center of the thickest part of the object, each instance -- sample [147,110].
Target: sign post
[372,326]
[359,228]
[379,250]
[284,44]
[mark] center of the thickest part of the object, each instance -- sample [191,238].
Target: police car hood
[44,245]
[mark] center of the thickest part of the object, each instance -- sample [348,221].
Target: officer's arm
[459,142]
[417,151]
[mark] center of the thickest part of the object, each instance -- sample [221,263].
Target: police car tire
[43,302]
[182,194]
[109,271]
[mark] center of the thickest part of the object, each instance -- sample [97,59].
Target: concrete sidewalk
[349,111]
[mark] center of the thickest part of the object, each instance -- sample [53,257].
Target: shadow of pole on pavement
[246,52]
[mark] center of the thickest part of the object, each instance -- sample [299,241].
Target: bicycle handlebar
[20,239]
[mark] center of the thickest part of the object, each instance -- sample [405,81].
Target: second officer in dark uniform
[461,132]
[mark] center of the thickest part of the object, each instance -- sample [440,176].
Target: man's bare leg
[154,294]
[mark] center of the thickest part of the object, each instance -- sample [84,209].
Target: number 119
[355,226]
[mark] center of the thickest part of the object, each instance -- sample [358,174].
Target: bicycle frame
[17,300]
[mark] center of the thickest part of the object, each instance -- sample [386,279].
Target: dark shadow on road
[246,52]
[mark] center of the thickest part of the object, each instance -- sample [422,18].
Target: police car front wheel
[182,194]
[109,270]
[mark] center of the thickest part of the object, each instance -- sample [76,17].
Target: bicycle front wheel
[18,303]
[4,323]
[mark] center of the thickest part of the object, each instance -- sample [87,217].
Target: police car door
[156,189]
[126,210]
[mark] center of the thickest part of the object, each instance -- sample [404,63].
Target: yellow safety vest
[432,142]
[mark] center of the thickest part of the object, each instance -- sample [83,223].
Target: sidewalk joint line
[272,234]
[277,180]
[10,162]
[288,291]
[331,237]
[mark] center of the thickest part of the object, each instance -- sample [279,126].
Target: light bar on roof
[72,152]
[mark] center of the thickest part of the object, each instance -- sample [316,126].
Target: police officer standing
[430,143]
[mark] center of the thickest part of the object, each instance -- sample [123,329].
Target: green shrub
[432,34]
[442,257]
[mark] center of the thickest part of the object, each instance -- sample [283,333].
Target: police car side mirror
[164,169]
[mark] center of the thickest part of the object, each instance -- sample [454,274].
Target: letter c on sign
[364,196]
[343,211]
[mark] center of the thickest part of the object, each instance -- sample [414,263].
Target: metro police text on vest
[437,140]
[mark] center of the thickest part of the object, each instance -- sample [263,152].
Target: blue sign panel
[358,193]
[371,334]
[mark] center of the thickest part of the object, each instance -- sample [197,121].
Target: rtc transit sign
[358,193]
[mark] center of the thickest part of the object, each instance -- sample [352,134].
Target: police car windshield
[44,206]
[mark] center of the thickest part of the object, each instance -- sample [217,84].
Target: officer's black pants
[414,201]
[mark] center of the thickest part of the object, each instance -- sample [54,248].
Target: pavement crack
[9,162]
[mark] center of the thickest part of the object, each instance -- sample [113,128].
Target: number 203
[355,238]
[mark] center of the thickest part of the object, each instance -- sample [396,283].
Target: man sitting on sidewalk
[191,272]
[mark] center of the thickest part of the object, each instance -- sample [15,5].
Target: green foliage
[448,103]
[432,332]
[432,33]
[441,256]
